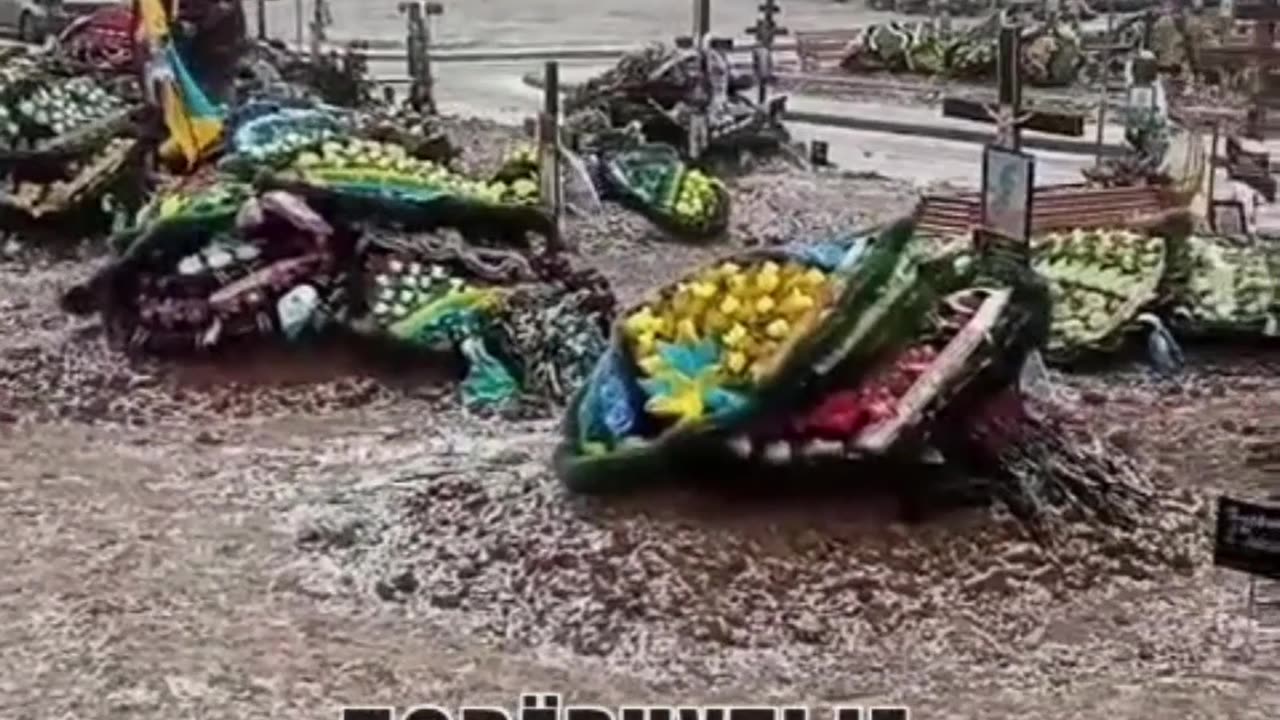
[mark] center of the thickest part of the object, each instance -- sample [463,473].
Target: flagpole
[135,30]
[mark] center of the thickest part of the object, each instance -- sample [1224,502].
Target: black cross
[422,90]
[1007,114]
[764,31]
[766,27]
[552,184]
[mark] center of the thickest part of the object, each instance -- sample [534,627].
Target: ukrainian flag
[195,124]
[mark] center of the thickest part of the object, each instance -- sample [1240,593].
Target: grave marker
[1105,82]
[261,7]
[321,18]
[699,124]
[552,188]
[1008,188]
[1247,539]
[819,153]
[1008,176]
[765,31]
[418,43]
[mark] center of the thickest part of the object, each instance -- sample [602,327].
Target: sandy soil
[219,543]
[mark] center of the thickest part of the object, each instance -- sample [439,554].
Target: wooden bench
[1094,208]
[1055,207]
[823,49]
[948,215]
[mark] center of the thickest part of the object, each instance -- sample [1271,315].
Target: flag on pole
[194,123]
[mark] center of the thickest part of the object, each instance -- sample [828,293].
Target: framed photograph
[1229,217]
[1008,180]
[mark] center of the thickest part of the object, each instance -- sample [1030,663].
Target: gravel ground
[218,543]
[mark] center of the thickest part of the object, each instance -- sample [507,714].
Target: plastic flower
[687,387]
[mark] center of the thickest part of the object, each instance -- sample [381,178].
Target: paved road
[497,91]
[490,23]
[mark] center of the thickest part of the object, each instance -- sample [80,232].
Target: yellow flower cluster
[750,312]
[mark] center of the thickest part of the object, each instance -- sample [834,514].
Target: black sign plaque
[1247,538]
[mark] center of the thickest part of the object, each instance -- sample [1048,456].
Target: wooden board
[1229,54]
[1256,10]
[1055,123]
[1052,208]
[944,370]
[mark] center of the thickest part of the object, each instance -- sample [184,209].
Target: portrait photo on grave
[1008,177]
[1229,217]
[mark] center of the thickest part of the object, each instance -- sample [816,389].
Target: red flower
[838,416]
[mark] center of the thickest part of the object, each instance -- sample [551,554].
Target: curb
[398,53]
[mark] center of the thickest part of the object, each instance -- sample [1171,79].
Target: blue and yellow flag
[195,124]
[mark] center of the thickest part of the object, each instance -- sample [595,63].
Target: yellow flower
[768,280]
[736,361]
[645,343]
[736,336]
[641,321]
[664,326]
[796,303]
[684,404]
[765,305]
[814,278]
[697,307]
[651,364]
[714,322]
[686,331]
[681,298]
[729,305]
[704,290]
[729,269]
[778,329]
[737,283]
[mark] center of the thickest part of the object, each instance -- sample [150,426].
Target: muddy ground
[276,536]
